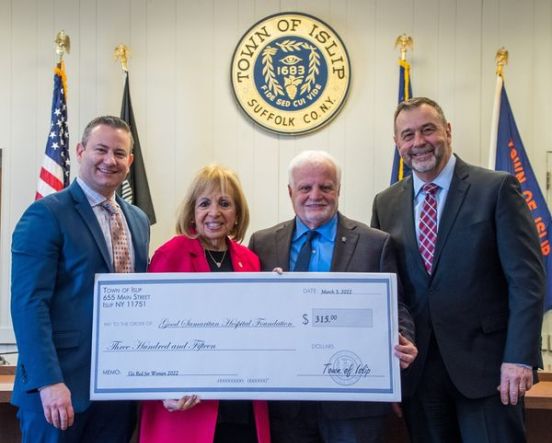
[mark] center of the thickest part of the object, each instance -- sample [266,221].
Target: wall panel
[187,116]
[6,200]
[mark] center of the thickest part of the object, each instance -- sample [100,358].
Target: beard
[425,165]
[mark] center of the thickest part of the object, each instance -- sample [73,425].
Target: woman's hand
[186,402]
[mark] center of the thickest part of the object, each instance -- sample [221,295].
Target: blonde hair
[213,178]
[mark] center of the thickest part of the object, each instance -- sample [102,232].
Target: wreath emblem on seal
[290,73]
[294,75]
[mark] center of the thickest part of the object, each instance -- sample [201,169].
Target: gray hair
[416,102]
[313,157]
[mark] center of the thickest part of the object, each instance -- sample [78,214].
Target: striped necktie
[119,241]
[428,226]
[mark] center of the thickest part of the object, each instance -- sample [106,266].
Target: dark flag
[55,170]
[135,189]
[511,157]
[400,170]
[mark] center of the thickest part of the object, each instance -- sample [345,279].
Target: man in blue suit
[58,245]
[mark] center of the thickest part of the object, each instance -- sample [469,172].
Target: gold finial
[63,44]
[122,53]
[405,42]
[501,60]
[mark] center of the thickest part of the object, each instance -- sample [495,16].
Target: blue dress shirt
[322,245]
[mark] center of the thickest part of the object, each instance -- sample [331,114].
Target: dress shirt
[103,218]
[443,181]
[322,245]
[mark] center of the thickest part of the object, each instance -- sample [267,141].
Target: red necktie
[428,225]
[119,241]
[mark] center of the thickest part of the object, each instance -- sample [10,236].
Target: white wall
[186,115]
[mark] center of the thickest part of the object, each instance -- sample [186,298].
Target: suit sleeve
[36,246]
[258,248]
[143,243]
[521,260]
[374,223]
[251,245]
[389,264]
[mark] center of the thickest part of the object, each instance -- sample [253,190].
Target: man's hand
[397,409]
[515,381]
[406,351]
[186,402]
[56,402]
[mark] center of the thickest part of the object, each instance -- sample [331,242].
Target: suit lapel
[406,213]
[283,242]
[346,240]
[138,239]
[455,198]
[90,221]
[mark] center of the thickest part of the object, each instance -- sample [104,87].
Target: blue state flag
[511,157]
[400,170]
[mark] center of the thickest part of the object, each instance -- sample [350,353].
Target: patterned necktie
[428,225]
[119,241]
[304,256]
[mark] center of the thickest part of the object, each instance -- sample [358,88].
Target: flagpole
[404,42]
[63,44]
[122,54]
[501,60]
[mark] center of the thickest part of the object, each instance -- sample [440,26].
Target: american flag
[54,173]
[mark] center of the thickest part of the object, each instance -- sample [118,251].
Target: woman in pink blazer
[211,221]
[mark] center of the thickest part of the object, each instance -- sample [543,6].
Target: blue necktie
[304,256]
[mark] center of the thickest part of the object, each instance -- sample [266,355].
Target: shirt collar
[328,230]
[442,180]
[93,197]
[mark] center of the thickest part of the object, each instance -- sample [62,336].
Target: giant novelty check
[303,336]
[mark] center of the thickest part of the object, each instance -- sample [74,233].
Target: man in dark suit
[58,245]
[475,291]
[341,245]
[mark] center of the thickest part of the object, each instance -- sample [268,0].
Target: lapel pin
[343,239]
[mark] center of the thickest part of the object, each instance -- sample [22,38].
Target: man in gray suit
[336,244]
[474,286]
